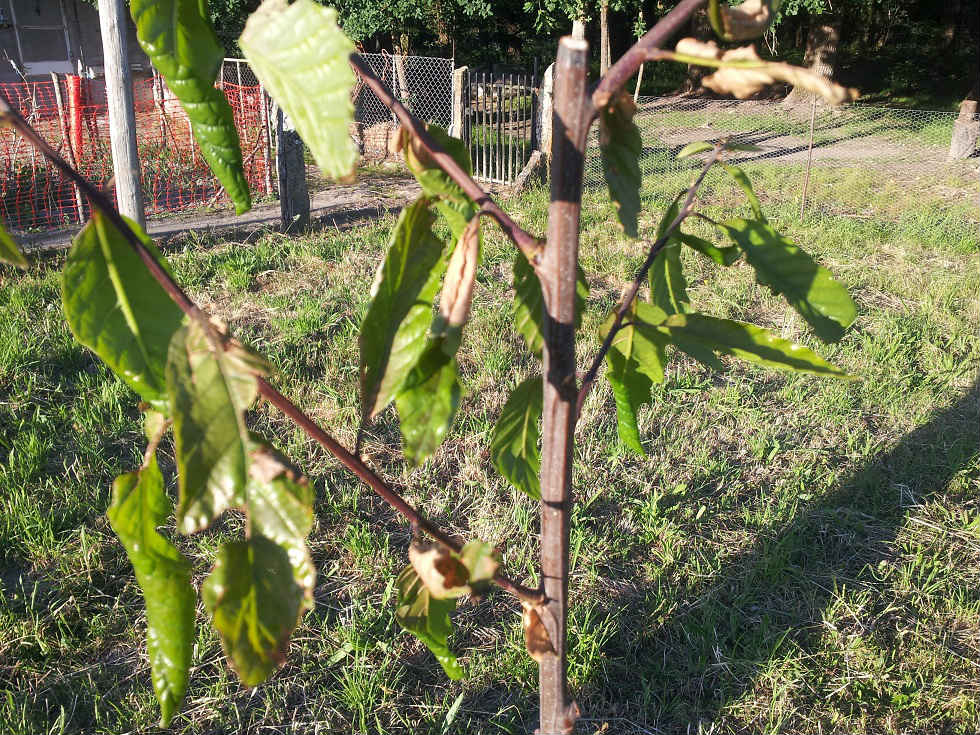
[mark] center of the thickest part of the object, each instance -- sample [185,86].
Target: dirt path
[335,205]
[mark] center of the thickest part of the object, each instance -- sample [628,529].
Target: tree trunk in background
[966,129]
[604,52]
[578,29]
[821,56]
[951,20]
[701,30]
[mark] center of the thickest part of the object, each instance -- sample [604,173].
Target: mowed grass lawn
[795,554]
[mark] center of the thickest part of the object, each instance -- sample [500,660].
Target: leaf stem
[527,243]
[630,295]
[98,200]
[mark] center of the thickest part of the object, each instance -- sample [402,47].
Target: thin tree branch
[526,242]
[629,62]
[10,116]
[641,274]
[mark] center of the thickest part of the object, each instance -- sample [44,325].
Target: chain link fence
[903,143]
[422,83]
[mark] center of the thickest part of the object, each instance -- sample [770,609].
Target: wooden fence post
[456,126]
[294,197]
[122,116]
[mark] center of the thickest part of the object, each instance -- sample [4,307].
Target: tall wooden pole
[122,115]
[557,271]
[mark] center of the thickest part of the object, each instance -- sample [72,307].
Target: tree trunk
[822,41]
[604,52]
[951,21]
[558,270]
[701,30]
[966,128]
[578,29]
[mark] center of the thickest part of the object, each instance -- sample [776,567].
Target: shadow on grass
[681,661]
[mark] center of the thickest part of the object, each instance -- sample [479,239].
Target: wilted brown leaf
[742,73]
[536,638]
[441,571]
[457,289]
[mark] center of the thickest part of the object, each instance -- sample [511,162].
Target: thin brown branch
[629,62]
[526,242]
[641,274]
[98,200]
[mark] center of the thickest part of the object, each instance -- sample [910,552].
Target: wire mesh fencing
[73,118]
[906,143]
[422,83]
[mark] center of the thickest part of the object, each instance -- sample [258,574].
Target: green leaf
[668,287]
[722,256]
[280,508]
[139,506]
[116,308]
[620,144]
[631,389]
[634,362]
[210,393]
[427,618]
[178,37]
[514,443]
[748,147]
[302,57]
[692,149]
[808,287]
[746,342]
[9,252]
[528,306]
[743,181]
[428,402]
[481,561]
[255,604]
[434,181]
[393,333]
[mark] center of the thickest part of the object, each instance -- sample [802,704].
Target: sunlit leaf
[514,443]
[393,333]
[620,144]
[746,342]
[427,403]
[255,604]
[668,287]
[440,570]
[300,55]
[528,305]
[786,269]
[738,175]
[721,255]
[139,506]
[116,308]
[434,181]
[634,362]
[482,562]
[742,73]
[280,508]
[178,37]
[692,149]
[427,618]
[10,253]
[631,389]
[211,390]
[457,287]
